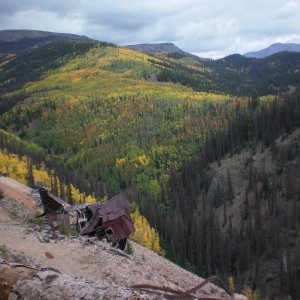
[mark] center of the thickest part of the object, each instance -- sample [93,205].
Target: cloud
[204,27]
[289,8]
[43,20]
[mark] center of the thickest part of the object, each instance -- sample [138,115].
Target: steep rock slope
[250,209]
[90,267]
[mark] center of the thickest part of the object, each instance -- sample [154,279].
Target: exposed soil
[16,190]
[88,259]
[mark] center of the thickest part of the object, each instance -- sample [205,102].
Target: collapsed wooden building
[110,220]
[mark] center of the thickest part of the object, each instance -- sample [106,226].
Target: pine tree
[246,205]
[69,194]
[55,185]
[61,190]
[224,214]
[230,193]
[29,176]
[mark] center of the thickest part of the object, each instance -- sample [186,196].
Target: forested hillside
[108,119]
[98,111]
[236,207]
[234,74]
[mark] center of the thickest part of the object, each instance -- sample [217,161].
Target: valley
[208,150]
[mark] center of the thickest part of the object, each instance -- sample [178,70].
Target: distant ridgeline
[96,114]
[19,41]
[274,48]
[235,74]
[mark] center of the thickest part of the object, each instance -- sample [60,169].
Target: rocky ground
[262,160]
[69,267]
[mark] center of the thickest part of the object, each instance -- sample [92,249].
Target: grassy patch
[74,232]
[38,221]
[128,248]
[62,228]
[4,252]
[13,214]
[119,66]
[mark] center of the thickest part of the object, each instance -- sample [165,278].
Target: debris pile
[34,283]
[110,221]
[35,196]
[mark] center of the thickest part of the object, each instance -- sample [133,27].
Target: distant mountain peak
[18,41]
[274,48]
[157,48]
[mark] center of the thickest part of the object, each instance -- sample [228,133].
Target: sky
[207,28]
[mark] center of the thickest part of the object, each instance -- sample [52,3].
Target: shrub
[3,252]
[129,249]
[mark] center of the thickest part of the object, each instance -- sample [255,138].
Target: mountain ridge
[19,41]
[273,49]
[156,48]
[17,34]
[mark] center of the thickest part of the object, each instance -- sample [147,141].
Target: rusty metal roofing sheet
[118,206]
